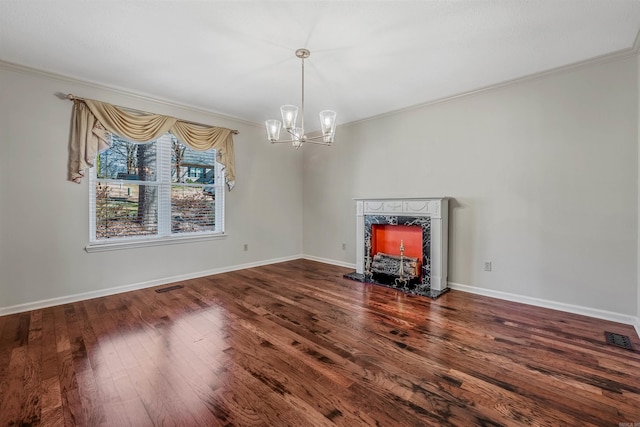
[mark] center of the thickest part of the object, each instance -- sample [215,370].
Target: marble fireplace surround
[429,213]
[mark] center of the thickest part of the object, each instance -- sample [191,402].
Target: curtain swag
[92,121]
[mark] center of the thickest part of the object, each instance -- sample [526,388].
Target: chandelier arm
[317,142]
[291,133]
[315,138]
[310,139]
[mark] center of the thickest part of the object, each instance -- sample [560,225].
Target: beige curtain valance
[92,121]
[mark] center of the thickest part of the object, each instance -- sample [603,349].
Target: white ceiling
[367,57]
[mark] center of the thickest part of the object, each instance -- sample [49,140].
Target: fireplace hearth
[407,232]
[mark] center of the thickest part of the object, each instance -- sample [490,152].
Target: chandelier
[290,113]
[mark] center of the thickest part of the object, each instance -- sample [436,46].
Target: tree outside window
[161,188]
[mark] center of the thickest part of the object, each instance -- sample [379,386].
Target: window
[161,189]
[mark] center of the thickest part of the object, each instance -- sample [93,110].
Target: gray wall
[638,250]
[543,176]
[44,218]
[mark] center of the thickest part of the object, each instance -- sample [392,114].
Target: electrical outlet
[487,266]
[246,247]
[344,246]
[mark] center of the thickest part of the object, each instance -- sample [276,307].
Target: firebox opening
[386,238]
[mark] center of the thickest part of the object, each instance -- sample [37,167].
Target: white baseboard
[329,261]
[570,308]
[20,308]
[586,311]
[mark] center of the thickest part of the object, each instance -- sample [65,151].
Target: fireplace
[396,236]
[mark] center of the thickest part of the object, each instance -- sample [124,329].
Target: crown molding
[9,66]
[634,50]
[609,57]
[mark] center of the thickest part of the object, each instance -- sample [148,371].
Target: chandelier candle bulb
[328,123]
[273,130]
[297,137]
[289,115]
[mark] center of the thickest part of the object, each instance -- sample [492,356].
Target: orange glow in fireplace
[386,238]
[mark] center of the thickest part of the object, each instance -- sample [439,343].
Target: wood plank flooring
[295,344]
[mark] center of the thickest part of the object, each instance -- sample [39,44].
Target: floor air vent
[618,340]
[169,288]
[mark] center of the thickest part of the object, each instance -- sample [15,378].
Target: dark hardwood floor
[295,344]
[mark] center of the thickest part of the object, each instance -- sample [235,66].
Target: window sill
[160,241]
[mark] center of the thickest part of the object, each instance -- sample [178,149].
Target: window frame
[165,235]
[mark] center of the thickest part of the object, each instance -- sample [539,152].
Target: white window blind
[160,189]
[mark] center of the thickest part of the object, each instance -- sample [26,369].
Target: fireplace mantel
[405,210]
